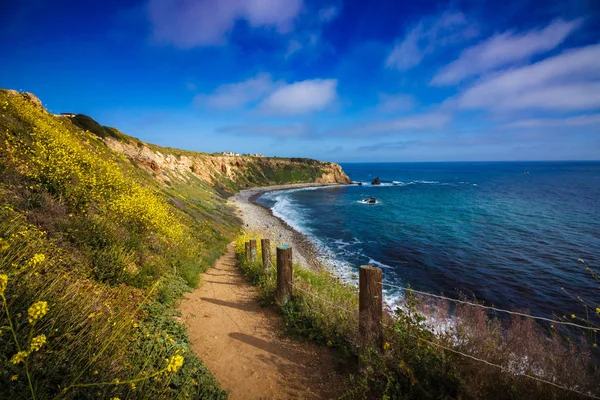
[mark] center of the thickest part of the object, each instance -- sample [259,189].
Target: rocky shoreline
[261,221]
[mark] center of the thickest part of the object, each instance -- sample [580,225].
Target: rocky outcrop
[167,165]
[376,181]
[29,97]
[333,173]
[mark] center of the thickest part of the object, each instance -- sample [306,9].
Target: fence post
[265,248]
[253,249]
[370,305]
[247,251]
[284,274]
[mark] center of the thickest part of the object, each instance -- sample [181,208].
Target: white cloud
[580,120]
[503,49]
[301,97]
[417,122]
[237,95]
[188,24]
[328,14]
[567,82]
[427,36]
[390,103]
[296,130]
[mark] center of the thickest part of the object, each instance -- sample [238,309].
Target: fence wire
[554,321]
[504,369]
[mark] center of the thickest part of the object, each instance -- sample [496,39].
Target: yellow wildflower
[572,315]
[132,386]
[595,345]
[175,363]
[14,378]
[4,245]
[597,310]
[19,357]
[37,311]
[37,343]
[3,283]
[115,398]
[36,260]
[386,345]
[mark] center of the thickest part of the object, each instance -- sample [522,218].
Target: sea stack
[376,181]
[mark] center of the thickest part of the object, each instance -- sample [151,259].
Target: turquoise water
[508,233]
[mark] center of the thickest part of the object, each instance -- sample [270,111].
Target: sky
[336,80]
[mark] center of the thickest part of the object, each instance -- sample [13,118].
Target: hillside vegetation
[99,234]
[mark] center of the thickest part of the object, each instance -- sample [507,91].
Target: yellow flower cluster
[37,311]
[37,343]
[36,260]
[19,357]
[3,283]
[4,245]
[175,363]
[57,157]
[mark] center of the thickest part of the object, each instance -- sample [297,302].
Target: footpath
[241,343]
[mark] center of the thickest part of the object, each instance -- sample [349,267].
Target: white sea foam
[379,264]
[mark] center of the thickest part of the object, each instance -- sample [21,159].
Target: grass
[416,362]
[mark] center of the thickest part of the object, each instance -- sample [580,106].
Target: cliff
[225,172]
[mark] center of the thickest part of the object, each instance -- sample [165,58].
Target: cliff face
[232,172]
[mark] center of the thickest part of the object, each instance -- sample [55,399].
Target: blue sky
[333,80]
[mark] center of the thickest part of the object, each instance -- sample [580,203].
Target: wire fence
[554,321]
[471,357]
[444,347]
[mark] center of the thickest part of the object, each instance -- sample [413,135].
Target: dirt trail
[240,343]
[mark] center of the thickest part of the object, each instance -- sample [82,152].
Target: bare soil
[242,344]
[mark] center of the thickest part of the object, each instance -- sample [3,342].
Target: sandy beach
[259,219]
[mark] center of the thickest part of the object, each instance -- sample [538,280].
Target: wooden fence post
[253,249]
[265,249]
[247,251]
[370,306]
[284,274]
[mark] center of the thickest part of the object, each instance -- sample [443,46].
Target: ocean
[508,233]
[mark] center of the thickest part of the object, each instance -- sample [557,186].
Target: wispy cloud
[567,82]
[309,36]
[428,35]
[300,97]
[328,14]
[579,121]
[237,95]
[431,121]
[399,102]
[187,24]
[503,49]
[295,130]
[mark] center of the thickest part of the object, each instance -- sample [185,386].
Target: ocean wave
[291,213]
[379,264]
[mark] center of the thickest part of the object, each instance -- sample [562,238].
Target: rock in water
[376,181]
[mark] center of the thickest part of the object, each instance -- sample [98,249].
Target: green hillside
[99,234]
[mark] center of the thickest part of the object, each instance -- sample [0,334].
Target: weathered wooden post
[253,249]
[370,306]
[248,256]
[265,248]
[284,274]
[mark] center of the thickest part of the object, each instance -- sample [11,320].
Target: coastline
[260,219]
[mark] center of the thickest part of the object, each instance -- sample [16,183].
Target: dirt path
[240,343]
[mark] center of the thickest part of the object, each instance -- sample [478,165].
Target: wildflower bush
[418,361]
